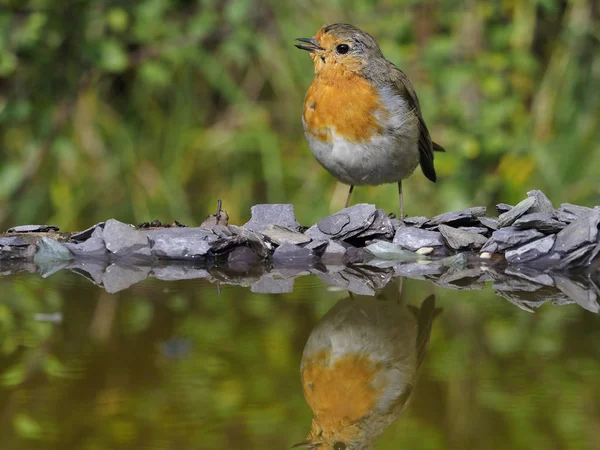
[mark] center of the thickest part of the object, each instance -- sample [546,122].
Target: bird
[361,116]
[359,368]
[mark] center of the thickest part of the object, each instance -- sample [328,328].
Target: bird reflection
[360,365]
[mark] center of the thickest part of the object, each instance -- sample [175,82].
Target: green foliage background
[155,108]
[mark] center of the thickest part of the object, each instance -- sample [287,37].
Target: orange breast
[342,391]
[344,102]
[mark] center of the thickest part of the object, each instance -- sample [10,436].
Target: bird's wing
[426,147]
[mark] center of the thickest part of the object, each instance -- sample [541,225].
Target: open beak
[306,444]
[311,44]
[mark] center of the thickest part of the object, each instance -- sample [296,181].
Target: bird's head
[340,47]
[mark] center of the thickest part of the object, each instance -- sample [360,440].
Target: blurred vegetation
[155,108]
[177,366]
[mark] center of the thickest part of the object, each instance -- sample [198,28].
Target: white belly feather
[387,158]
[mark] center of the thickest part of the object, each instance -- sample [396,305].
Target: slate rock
[582,231]
[530,274]
[478,230]
[508,237]
[418,269]
[293,255]
[12,241]
[381,228]
[87,233]
[465,217]
[415,238]
[180,243]
[122,240]
[576,258]
[416,221]
[540,221]
[458,239]
[334,252]
[33,229]
[542,203]
[502,208]
[507,218]
[389,251]
[263,216]
[489,222]
[93,247]
[568,212]
[50,250]
[233,236]
[531,250]
[278,235]
[349,221]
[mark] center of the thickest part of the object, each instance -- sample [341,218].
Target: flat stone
[545,262]
[123,240]
[87,233]
[334,252]
[278,235]
[387,250]
[348,222]
[263,216]
[502,208]
[507,218]
[233,236]
[508,237]
[465,217]
[460,239]
[119,276]
[568,212]
[489,222]
[293,255]
[381,228]
[270,283]
[418,269]
[478,230]
[539,221]
[542,203]
[582,231]
[415,238]
[50,250]
[416,221]
[93,247]
[180,243]
[576,258]
[33,229]
[12,241]
[530,251]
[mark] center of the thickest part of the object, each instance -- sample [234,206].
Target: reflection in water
[360,366]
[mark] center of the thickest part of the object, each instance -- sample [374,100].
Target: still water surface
[184,365]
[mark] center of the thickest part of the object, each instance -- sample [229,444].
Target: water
[197,364]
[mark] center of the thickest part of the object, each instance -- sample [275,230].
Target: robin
[362,117]
[359,368]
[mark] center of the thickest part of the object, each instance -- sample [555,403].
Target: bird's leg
[349,195]
[401,200]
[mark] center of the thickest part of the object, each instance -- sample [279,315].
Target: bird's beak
[312,44]
[306,444]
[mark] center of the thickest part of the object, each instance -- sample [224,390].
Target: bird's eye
[342,49]
[339,445]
